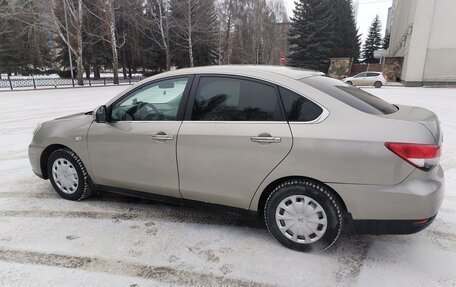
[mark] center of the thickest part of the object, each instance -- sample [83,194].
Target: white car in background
[376,79]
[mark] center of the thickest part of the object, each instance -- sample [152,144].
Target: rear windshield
[352,96]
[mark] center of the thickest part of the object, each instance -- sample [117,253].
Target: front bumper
[34,154]
[418,197]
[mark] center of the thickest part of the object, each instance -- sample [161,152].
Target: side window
[231,99]
[361,75]
[299,108]
[155,102]
[372,74]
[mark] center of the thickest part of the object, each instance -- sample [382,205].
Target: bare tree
[75,25]
[157,17]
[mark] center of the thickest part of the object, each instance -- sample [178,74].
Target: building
[423,34]
[389,21]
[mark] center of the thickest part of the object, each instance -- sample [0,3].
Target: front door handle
[265,138]
[161,136]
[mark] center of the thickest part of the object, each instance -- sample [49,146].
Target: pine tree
[386,42]
[311,36]
[346,38]
[373,41]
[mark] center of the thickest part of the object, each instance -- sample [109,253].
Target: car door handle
[264,139]
[162,137]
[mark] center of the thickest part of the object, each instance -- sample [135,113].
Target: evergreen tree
[386,42]
[311,36]
[347,41]
[373,42]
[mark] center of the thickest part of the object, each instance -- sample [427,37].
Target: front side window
[155,102]
[232,99]
[299,108]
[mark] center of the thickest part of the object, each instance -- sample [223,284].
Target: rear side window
[352,96]
[299,108]
[372,74]
[233,99]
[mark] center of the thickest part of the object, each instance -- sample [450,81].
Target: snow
[119,241]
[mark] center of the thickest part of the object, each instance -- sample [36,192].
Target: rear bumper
[377,227]
[417,197]
[34,153]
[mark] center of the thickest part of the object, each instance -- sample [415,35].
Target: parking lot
[111,241]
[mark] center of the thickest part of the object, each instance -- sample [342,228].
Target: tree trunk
[80,67]
[112,34]
[87,71]
[124,64]
[96,72]
[189,31]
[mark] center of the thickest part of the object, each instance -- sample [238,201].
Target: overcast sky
[367,10]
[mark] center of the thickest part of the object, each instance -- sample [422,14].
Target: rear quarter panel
[347,148]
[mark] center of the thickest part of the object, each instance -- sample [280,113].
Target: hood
[74,116]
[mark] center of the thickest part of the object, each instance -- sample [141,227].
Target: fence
[36,83]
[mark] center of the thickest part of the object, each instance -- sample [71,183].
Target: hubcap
[301,219]
[65,175]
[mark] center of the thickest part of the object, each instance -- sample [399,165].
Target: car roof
[266,71]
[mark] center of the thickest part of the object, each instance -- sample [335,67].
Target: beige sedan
[307,154]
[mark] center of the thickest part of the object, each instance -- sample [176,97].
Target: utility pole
[68,41]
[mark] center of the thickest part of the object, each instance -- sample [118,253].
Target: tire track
[165,274]
[351,252]
[171,216]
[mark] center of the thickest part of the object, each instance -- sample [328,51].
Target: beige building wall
[424,33]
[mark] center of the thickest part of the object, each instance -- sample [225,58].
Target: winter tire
[68,175]
[304,215]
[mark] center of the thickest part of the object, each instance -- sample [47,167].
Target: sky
[367,10]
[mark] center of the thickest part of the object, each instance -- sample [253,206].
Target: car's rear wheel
[68,175]
[303,215]
[378,84]
[350,83]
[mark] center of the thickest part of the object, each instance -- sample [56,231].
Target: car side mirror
[101,114]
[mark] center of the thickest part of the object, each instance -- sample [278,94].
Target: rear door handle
[261,139]
[161,136]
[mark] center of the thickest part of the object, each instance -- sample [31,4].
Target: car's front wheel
[68,175]
[303,215]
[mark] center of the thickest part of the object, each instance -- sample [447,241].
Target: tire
[349,82]
[68,175]
[378,85]
[312,196]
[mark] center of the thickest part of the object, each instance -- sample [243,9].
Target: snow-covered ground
[119,241]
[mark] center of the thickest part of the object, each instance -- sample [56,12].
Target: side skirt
[244,213]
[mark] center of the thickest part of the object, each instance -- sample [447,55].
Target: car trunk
[422,116]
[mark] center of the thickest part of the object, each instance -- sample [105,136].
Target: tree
[373,42]
[386,42]
[23,41]
[195,32]
[158,18]
[311,36]
[346,38]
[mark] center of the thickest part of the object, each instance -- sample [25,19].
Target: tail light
[384,76]
[422,156]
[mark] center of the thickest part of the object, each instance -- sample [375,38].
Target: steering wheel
[144,104]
